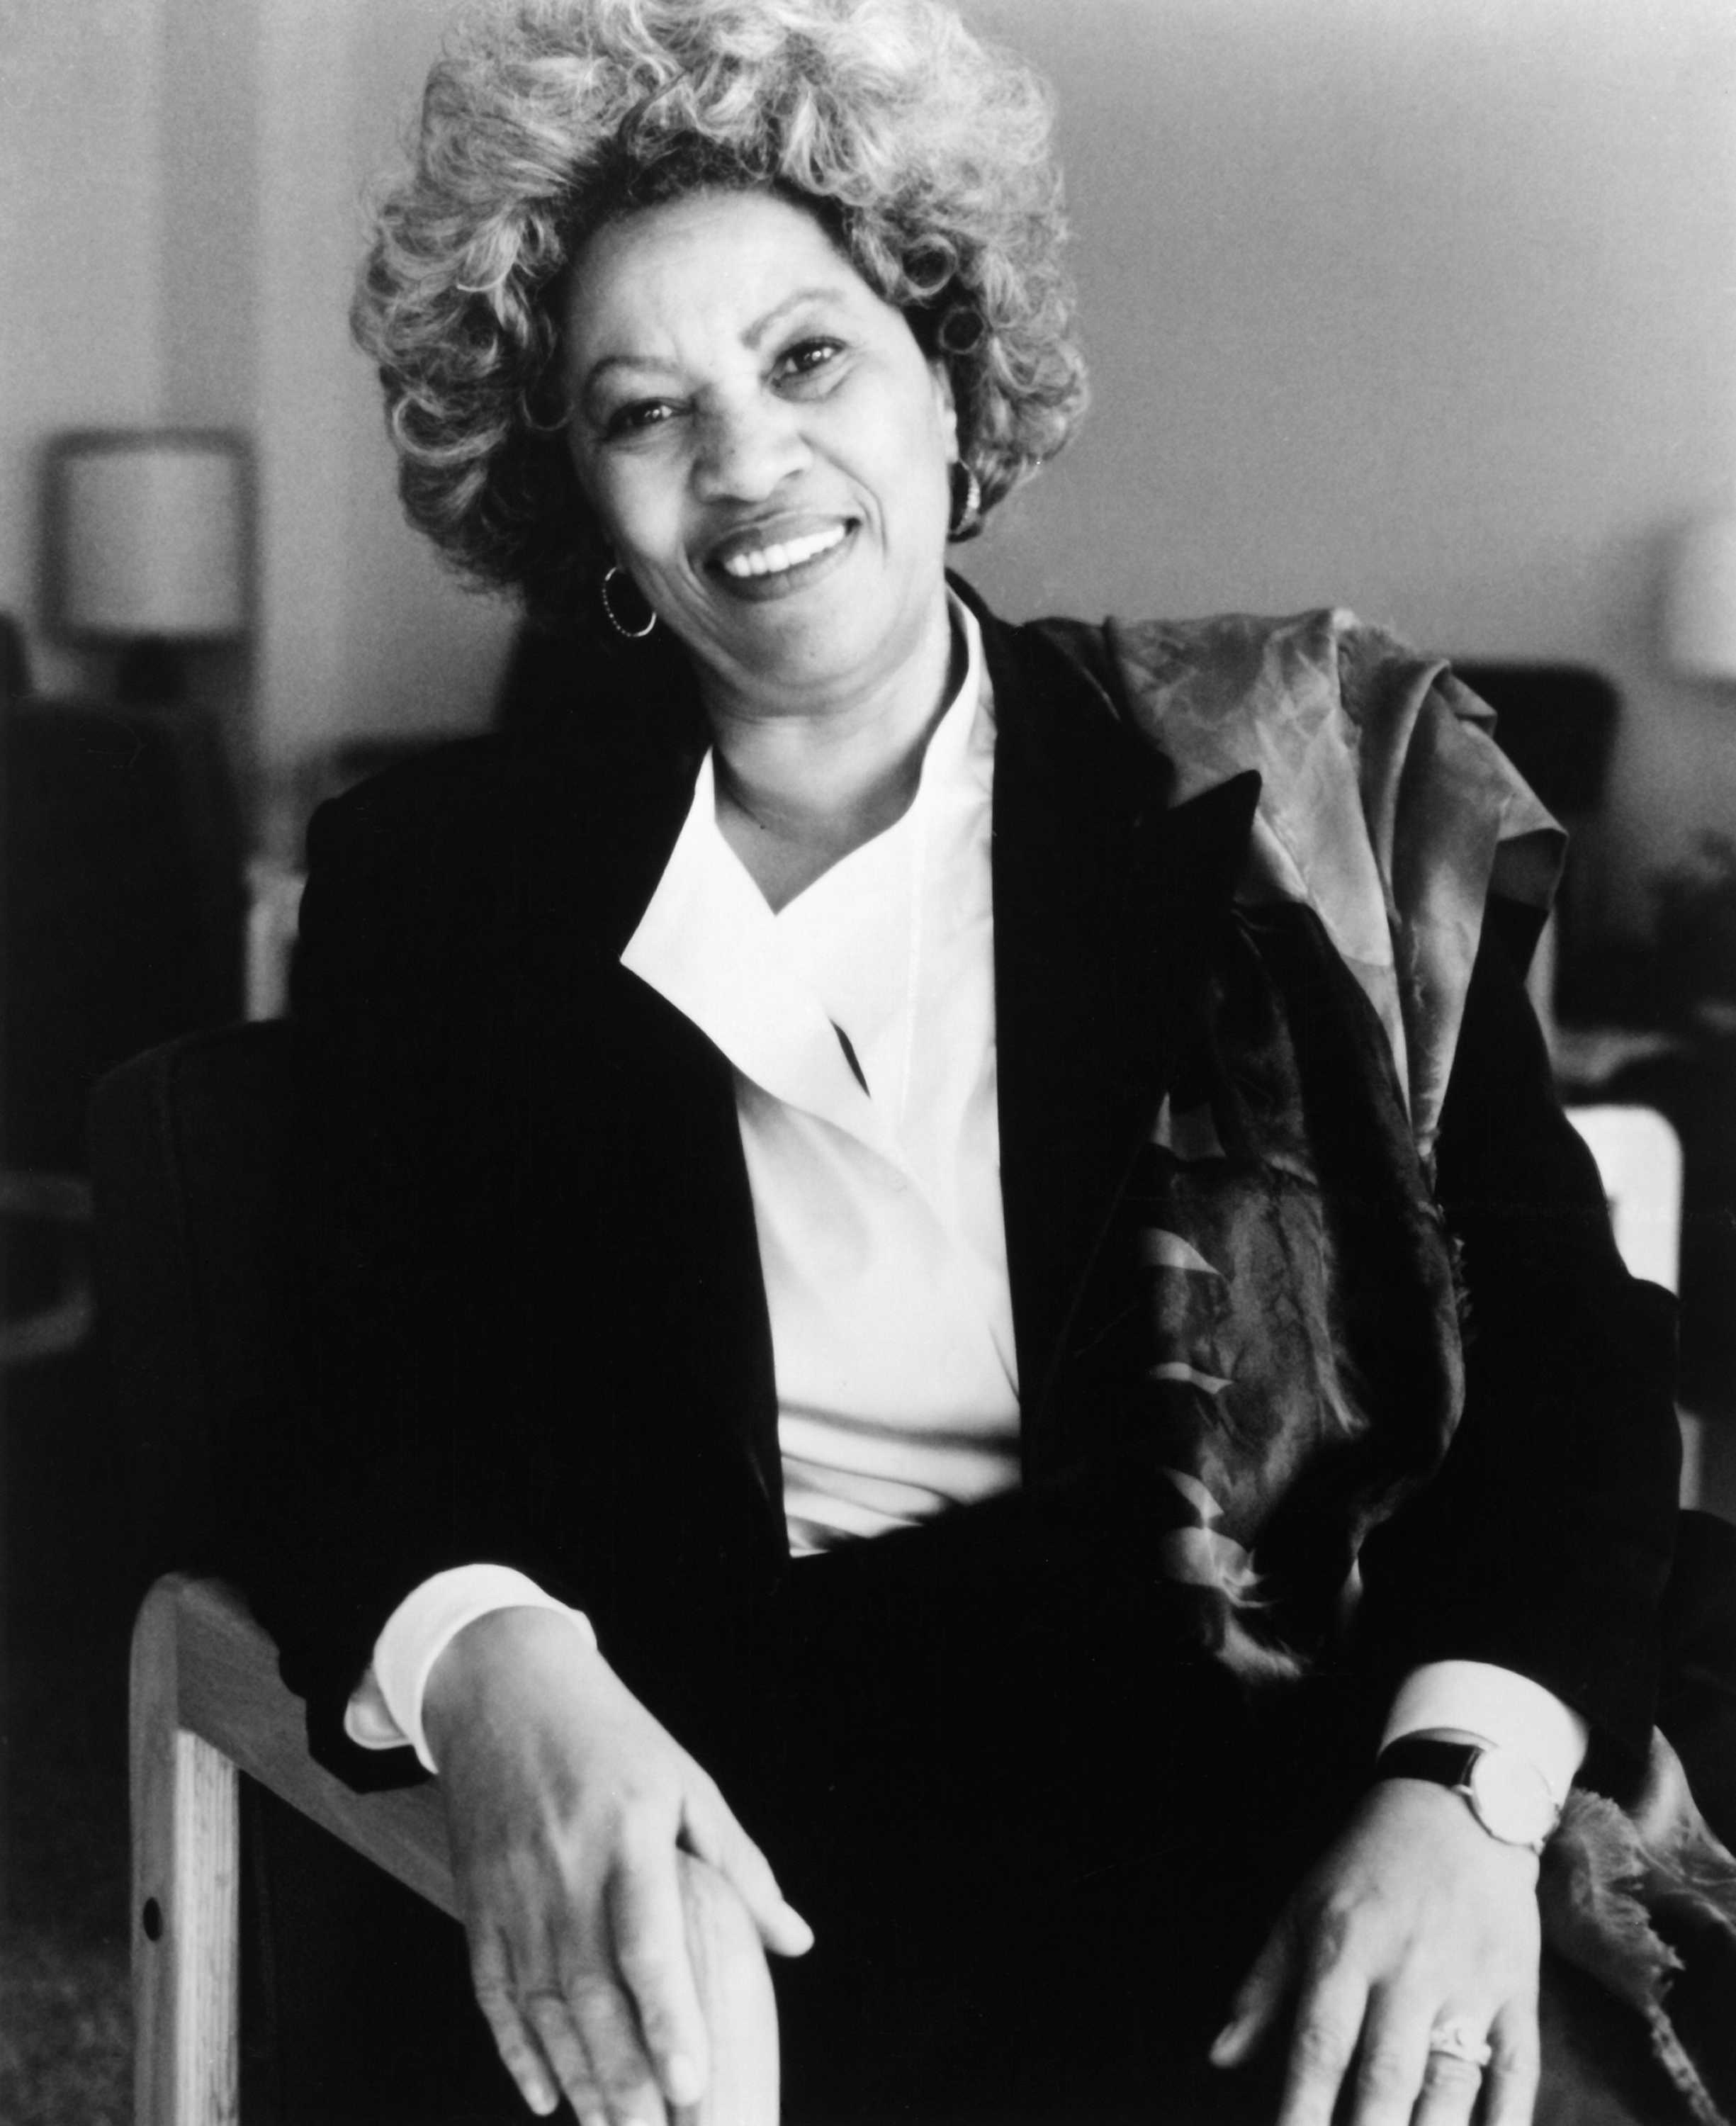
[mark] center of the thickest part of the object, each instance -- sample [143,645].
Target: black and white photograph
[868,1062]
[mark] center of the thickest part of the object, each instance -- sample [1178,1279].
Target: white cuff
[1506,1710]
[384,1711]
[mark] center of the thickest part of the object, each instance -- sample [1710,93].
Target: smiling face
[765,446]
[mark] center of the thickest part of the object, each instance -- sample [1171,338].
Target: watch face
[1512,1799]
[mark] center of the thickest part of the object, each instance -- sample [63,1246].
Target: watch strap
[1523,1814]
[1431,1757]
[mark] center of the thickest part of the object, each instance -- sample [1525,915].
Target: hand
[1414,1917]
[567,1804]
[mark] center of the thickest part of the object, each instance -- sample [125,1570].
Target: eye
[808,357]
[635,419]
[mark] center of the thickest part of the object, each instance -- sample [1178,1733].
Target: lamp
[151,546]
[1700,600]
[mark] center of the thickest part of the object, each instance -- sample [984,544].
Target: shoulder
[445,791]
[621,736]
[1385,804]
[1354,734]
[1238,674]
[398,867]
[418,836]
[476,856]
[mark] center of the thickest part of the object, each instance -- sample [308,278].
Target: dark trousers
[1037,1835]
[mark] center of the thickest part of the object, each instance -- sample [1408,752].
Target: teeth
[776,560]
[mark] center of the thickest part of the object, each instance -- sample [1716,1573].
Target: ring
[1458,2040]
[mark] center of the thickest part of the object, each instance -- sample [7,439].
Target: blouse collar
[708,942]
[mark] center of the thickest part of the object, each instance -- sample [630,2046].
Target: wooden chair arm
[207,1702]
[202,1665]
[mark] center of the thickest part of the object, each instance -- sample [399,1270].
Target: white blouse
[877,1198]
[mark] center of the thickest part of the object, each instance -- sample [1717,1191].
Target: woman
[875,1207]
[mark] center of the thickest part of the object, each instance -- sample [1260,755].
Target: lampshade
[1700,600]
[152,535]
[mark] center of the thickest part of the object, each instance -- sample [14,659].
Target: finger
[710,1831]
[545,2009]
[1450,2088]
[1394,2061]
[651,1954]
[1328,2023]
[626,2086]
[1259,1998]
[521,2054]
[1513,2071]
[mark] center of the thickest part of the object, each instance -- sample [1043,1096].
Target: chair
[190,1146]
[1639,1159]
[118,904]
[189,1154]
[62,1317]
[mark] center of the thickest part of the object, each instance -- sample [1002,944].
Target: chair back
[1639,1158]
[190,1158]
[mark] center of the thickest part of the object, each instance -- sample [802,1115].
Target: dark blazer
[538,1330]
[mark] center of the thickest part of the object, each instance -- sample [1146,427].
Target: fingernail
[1223,2043]
[682,2083]
[797,1925]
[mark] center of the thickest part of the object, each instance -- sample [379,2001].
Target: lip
[780,530]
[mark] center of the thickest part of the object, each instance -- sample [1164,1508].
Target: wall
[81,297]
[1428,306]
[182,182]
[206,239]
[363,629]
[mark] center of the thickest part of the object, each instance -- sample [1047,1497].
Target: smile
[761,569]
[778,560]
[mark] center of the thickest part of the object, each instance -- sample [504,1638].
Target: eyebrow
[757,331]
[752,338]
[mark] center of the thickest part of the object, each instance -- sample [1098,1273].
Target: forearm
[1544,1543]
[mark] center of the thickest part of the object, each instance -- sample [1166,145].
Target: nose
[747,448]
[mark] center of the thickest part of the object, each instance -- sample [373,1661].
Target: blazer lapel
[1106,902]
[671,1166]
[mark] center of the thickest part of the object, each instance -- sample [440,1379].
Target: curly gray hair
[924,153]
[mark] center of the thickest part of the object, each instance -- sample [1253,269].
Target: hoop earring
[630,633]
[967,502]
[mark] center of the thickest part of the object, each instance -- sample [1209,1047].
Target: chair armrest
[202,1667]
[212,1671]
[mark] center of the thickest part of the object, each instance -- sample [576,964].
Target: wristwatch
[1505,1792]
